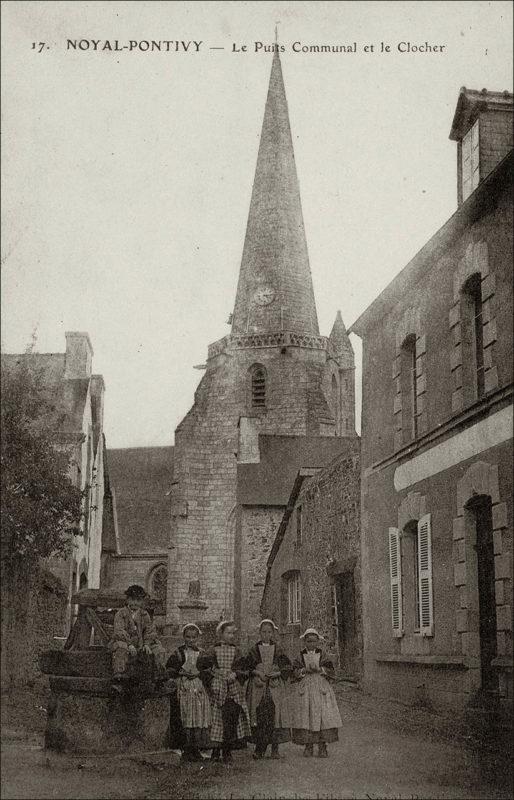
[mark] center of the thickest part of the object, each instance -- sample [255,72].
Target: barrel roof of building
[141,478]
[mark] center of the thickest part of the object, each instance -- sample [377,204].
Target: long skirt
[269,712]
[190,716]
[230,719]
[315,714]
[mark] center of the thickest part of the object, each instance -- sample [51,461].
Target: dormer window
[482,128]
[470,160]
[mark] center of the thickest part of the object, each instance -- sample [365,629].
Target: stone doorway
[482,516]
[344,596]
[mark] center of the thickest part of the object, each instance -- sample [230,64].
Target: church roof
[269,482]
[275,289]
[141,477]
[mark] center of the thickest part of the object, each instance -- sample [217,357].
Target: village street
[385,751]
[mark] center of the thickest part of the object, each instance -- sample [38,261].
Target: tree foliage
[40,507]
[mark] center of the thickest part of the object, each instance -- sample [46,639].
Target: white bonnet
[314,632]
[222,625]
[269,622]
[190,625]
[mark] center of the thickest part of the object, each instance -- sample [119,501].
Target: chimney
[79,353]
[482,128]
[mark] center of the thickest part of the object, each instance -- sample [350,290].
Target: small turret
[341,344]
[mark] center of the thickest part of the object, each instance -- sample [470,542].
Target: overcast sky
[127,176]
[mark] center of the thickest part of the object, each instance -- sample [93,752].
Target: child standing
[315,713]
[190,711]
[230,721]
[134,633]
[266,692]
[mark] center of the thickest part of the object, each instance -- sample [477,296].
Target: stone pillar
[192,608]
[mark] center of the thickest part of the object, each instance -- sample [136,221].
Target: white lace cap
[314,632]
[190,625]
[270,622]
[222,625]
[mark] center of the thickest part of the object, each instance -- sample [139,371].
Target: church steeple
[275,289]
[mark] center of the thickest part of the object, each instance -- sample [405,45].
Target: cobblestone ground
[385,751]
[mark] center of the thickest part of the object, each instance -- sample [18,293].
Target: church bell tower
[273,375]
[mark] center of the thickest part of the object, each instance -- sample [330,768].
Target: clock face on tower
[264,296]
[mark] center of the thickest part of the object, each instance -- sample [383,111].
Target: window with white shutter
[395,570]
[426,605]
[294,598]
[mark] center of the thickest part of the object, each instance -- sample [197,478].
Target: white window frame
[395,577]
[294,599]
[470,160]
[426,599]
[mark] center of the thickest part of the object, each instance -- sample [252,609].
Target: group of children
[222,698]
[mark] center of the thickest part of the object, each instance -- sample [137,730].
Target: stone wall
[495,139]
[461,434]
[330,545]
[259,526]
[206,448]
[135,568]
[34,606]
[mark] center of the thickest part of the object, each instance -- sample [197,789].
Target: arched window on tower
[472,337]
[258,386]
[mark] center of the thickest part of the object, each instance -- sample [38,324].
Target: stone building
[76,398]
[272,376]
[437,442]
[140,481]
[313,571]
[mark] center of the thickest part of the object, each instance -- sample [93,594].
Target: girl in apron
[190,710]
[230,726]
[266,695]
[315,713]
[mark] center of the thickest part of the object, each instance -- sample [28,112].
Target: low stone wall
[33,612]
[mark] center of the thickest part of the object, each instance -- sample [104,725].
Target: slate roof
[269,482]
[141,478]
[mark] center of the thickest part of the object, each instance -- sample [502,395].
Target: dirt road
[385,751]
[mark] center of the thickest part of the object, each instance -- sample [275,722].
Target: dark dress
[266,694]
[190,713]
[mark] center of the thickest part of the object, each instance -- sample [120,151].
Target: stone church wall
[259,526]
[206,449]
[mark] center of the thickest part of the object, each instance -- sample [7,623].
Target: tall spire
[275,286]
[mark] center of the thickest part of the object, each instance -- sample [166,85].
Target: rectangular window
[470,161]
[479,342]
[298,526]
[293,599]
[413,390]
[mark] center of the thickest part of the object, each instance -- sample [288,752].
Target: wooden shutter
[426,608]
[395,570]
